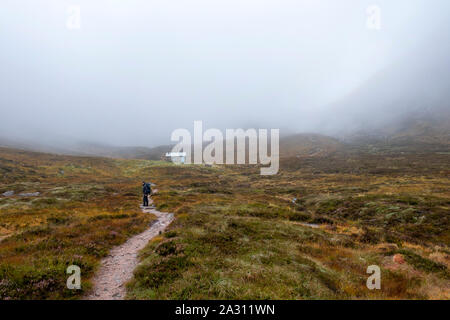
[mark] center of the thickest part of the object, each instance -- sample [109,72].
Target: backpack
[147,188]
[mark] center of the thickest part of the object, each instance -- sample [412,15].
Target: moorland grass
[244,236]
[309,232]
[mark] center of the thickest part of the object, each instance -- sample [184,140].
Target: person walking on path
[146,190]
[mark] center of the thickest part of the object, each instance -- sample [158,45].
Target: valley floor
[309,232]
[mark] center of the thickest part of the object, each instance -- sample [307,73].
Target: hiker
[146,190]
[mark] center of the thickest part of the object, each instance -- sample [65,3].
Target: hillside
[398,94]
[88,149]
[92,149]
[308,145]
[414,134]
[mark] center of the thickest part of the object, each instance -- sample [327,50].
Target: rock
[398,258]
[30,194]
[8,193]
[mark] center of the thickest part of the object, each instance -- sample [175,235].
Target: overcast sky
[137,69]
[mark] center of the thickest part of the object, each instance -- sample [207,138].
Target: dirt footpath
[117,268]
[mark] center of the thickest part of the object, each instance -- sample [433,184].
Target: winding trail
[117,268]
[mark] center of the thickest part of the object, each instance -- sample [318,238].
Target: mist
[134,71]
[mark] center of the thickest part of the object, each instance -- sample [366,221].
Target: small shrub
[167,248]
[299,216]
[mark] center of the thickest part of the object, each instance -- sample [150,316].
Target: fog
[134,71]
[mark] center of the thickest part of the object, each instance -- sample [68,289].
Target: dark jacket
[146,189]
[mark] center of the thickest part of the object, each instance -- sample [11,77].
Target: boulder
[398,258]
